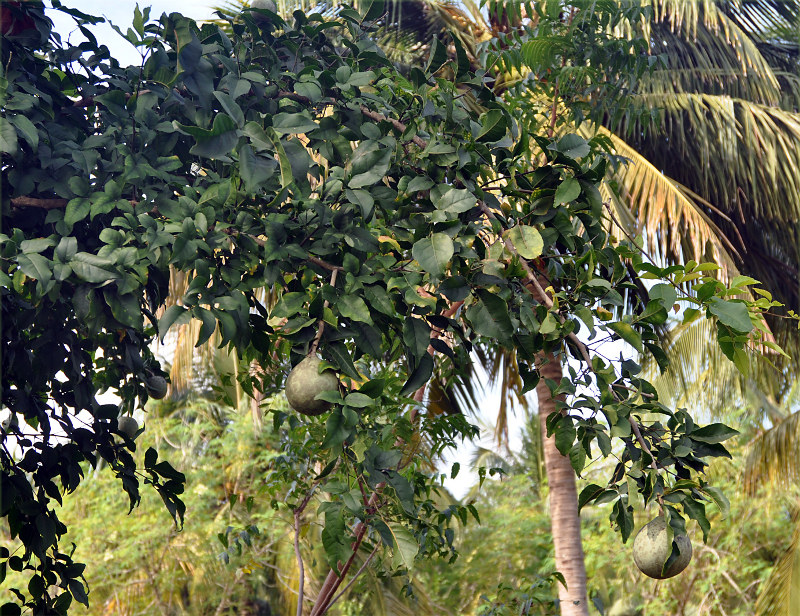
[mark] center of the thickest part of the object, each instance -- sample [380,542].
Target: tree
[398,220]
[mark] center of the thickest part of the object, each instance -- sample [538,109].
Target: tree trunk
[564,518]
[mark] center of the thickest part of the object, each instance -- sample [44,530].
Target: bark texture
[564,518]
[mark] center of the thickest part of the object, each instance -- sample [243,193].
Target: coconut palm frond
[699,376]
[740,157]
[710,53]
[674,224]
[773,25]
[489,458]
[702,378]
[774,455]
[780,595]
[502,371]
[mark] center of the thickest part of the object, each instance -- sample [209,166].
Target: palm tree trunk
[565,521]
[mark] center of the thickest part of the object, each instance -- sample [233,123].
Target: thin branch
[379,117]
[325,265]
[301,569]
[45,204]
[355,576]
[334,579]
[321,327]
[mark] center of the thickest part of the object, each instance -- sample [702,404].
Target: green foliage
[378,209]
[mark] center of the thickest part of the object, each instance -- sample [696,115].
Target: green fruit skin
[267,5]
[156,387]
[305,383]
[128,426]
[651,550]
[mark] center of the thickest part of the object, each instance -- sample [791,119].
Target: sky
[120,13]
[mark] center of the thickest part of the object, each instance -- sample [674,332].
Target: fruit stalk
[321,327]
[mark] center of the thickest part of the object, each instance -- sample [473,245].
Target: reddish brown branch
[379,117]
[334,579]
[45,204]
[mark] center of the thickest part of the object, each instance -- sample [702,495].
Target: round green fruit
[128,426]
[267,5]
[651,549]
[156,387]
[305,383]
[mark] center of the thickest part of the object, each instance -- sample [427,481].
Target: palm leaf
[781,593]
[773,457]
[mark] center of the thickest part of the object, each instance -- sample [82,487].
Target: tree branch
[301,570]
[45,204]
[333,580]
[355,577]
[379,117]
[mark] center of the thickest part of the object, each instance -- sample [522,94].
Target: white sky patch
[120,13]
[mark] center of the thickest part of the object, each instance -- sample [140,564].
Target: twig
[355,577]
[45,204]
[300,567]
[334,579]
[379,117]
[325,265]
[321,327]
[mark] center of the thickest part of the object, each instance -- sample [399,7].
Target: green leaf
[8,138]
[719,498]
[577,458]
[336,429]
[416,336]
[125,309]
[293,123]
[35,266]
[368,164]
[175,314]
[572,146]
[588,494]
[36,245]
[405,544]
[92,268]
[77,209]
[231,107]
[420,376]
[358,400]
[216,142]
[452,200]
[731,313]
[713,433]
[627,333]
[419,183]
[664,293]
[255,169]
[565,435]
[697,511]
[489,317]
[527,241]
[353,307]
[434,253]
[568,190]
[334,537]
[493,126]
[289,305]
[26,128]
